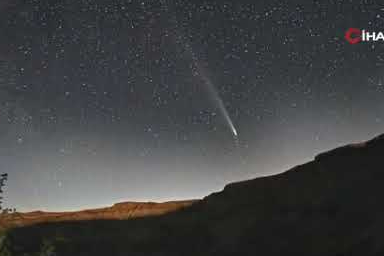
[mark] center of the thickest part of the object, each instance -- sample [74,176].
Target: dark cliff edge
[330,206]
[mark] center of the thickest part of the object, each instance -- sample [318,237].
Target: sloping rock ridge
[118,211]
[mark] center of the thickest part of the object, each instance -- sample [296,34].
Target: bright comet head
[234,132]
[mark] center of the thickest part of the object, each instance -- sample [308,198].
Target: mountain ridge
[118,211]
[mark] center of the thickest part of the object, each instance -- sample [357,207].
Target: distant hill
[120,211]
[330,206]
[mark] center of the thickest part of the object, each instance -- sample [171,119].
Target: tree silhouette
[3,179]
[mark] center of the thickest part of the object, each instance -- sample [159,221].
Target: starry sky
[108,101]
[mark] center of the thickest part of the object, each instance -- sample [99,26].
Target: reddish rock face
[118,211]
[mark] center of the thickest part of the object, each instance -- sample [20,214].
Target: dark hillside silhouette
[330,206]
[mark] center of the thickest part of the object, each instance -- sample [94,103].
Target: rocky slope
[330,206]
[120,211]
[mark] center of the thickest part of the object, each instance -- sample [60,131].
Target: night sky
[105,101]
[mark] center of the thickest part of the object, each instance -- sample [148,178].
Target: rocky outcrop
[120,211]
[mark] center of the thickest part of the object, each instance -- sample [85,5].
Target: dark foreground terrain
[330,206]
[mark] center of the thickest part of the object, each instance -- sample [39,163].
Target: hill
[120,211]
[329,206]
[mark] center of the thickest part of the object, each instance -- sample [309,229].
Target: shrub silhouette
[3,179]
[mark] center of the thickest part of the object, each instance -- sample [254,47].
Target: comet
[200,71]
[219,102]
